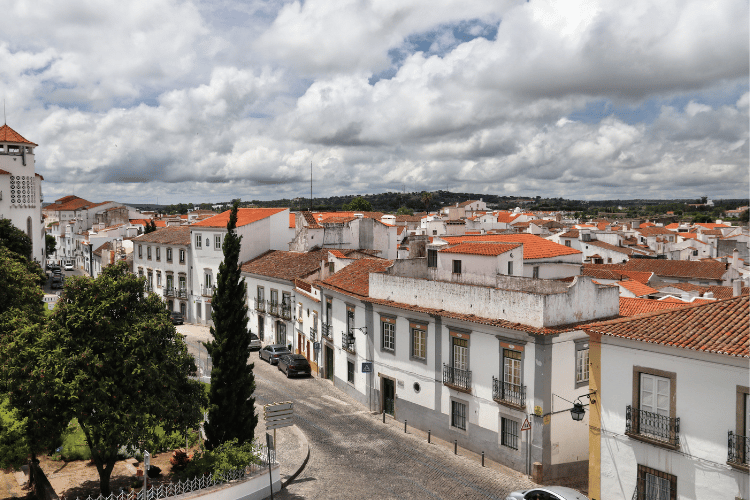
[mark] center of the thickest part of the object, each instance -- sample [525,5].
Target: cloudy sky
[192,101]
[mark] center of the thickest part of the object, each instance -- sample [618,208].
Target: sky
[172,101]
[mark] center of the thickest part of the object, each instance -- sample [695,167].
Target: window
[198,241]
[349,319]
[460,353]
[331,267]
[512,368]
[140,251]
[158,278]
[182,256]
[388,334]
[418,341]
[434,232]
[274,297]
[654,396]
[281,332]
[183,283]
[158,253]
[431,258]
[169,255]
[458,415]
[582,363]
[652,414]
[567,243]
[329,311]
[535,272]
[208,280]
[299,312]
[350,371]
[261,294]
[217,242]
[170,281]
[456,267]
[509,433]
[655,485]
[148,253]
[140,272]
[510,268]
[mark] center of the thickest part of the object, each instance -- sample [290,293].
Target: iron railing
[189,485]
[148,287]
[508,393]
[260,304]
[325,330]
[169,291]
[273,308]
[208,291]
[738,449]
[652,426]
[286,311]
[313,333]
[347,341]
[457,377]
[182,293]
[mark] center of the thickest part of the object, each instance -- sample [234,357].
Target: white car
[547,493]
[68,266]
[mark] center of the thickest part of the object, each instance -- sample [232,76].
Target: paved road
[355,455]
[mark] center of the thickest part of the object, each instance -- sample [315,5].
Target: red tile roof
[68,204]
[354,279]
[7,134]
[636,288]
[338,254]
[673,225]
[719,327]
[571,233]
[633,306]
[245,216]
[687,269]
[534,247]
[710,225]
[481,248]
[720,292]
[310,220]
[172,235]
[608,246]
[653,230]
[286,265]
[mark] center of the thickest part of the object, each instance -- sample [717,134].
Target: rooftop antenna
[311,187]
[5,120]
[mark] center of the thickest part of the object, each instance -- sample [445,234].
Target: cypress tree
[231,411]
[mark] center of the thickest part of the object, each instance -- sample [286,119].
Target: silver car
[547,493]
[255,344]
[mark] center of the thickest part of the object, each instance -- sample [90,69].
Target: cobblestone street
[355,455]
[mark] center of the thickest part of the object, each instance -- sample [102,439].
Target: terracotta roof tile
[338,254]
[608,246]
[710,225]
[245,216]
[354,279]
[286,265]
[653,230]
[633,306]
[696,269]
[534,247]
[636,288]
[481,248]
[720,292]
[172,235]
[718,327]
[7,134]
[310,220]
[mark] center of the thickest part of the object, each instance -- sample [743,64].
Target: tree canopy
[14,239]
[358,204]
[231,410]
[111,358]
[50,244]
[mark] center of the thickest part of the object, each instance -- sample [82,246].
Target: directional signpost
[278,415]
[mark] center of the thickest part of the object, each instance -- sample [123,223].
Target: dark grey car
[294,364]
[272,353]
[547,493]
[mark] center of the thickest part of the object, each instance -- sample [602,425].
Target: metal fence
[190,485]
[202,360]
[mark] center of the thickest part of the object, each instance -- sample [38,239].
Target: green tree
[150,227]
[50,244]
[110,357]
[358,204]
[426,200]
[404,211]
[14,239]
[231,410]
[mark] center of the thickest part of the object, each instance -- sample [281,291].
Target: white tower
[21,188]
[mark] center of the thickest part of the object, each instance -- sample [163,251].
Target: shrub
[180,459]
[224,458]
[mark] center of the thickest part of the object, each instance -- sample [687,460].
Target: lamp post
[578,410]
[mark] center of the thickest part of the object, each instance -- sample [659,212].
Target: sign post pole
[270,474]
[526,426]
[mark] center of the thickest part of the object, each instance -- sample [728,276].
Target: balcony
[170,292]
[208,291]
[260,305]
[273,308]
[738,451]
[148,287]
[347,342]
[181,293]
[325,330]
[507,393]
[652,427]
[457,378]
[286,311]
[313,333]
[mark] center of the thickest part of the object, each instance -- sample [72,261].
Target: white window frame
[198,241]
[387,336]
[581,363]
[217,242]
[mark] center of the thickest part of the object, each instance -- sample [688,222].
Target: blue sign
[367,367]
[316,346]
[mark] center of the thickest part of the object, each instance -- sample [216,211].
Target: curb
[304,462]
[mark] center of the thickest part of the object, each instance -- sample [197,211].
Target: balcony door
[460,354]
[655,394]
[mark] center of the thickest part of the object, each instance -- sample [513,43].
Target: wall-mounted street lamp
[578,410]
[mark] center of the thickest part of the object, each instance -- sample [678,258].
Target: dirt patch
[80,479]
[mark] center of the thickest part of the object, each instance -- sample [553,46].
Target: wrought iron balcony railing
[286,311]
[457,378]
[169,291]
[260,304]
[738,449]
[273,308]
[508,393]
[148,287]
[652,426]
[347,341]
[313,333]
[208,291]
[182,293]
[325,330]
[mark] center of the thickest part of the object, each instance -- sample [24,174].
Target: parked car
[272,353]
[255,344]
[294,364]
[57,282]
[68,266]
[53,268]
[177,318]
[547,493]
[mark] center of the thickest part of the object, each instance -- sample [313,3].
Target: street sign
[316,346]
[526,426]
[278,415]
[367,367]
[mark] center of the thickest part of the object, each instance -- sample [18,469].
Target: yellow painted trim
[595,417]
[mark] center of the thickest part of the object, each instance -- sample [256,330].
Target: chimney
[736,288]
[708,295]
[736,259]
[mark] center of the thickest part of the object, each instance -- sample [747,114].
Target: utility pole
[311,186]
